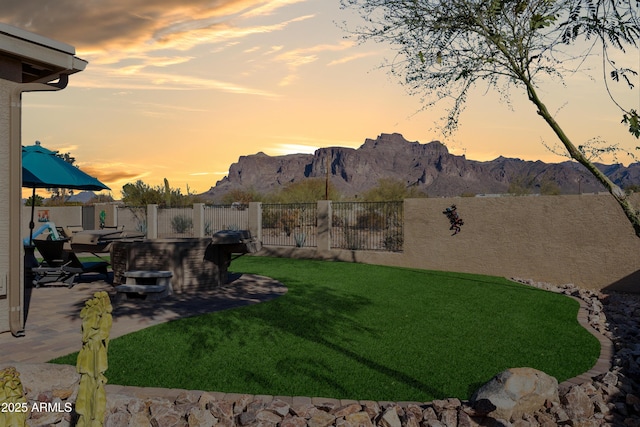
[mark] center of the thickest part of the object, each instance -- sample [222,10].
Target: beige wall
[61,216]
[585,240]
[581,239]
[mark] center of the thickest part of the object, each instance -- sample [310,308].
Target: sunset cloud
[297,58]
[135,78]
[286,148]
[208,173]
[350,58]
[128,43]
[134,25]
[114,173]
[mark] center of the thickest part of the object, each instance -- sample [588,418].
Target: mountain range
[429,167]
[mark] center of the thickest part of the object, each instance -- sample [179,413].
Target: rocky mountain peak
[430,167]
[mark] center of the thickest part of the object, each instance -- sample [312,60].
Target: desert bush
[352,239]
[300,239]
[393,240]
[181,223]
[390,189]
[337,220]
[372,220]
[549,188]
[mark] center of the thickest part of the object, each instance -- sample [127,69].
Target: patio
[53,325]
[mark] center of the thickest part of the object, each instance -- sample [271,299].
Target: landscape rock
[390,418]
[267,416]
[45,418]
[117,419]
[345,410]
[294,422]
[577,403]
[222,409]
[429,414]
[163,414]
[197,417]
[279,407]
[321,419]
[517,391]
[449,417]
[410,420]
[48,379]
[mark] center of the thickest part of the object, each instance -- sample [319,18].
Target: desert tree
[307,190]
[391,190]
[243,196]
[59,196]
[142,194]
[445,48]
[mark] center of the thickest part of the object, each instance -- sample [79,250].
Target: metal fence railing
[133,218]
[175,222]
[373,226]
[292,224]
[225,217]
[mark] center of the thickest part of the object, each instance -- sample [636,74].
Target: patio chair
[61,264]
[67,231]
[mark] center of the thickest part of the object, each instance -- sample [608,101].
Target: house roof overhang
[30,58]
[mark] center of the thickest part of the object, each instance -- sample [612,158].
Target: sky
[180,89]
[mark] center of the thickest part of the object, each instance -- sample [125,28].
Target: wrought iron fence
[373,226]
[292,224]
[225,217]
[133,218]
[175,222]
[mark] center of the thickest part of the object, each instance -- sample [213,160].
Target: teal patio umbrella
[41,168]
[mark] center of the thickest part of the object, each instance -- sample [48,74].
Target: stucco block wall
[61,216]
[581,239]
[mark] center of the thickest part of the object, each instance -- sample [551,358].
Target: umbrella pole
[31,224]
[30,260]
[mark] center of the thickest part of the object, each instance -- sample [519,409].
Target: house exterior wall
[5,217]
[56,61]
[11,255]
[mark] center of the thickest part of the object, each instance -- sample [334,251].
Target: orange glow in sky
[181,89]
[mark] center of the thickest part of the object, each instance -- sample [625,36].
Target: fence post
[198,220]
[323,242]
[255,220]
[89,217]
[152,221]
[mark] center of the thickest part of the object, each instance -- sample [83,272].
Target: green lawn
[360,332]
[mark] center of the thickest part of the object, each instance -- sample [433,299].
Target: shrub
[352,239]
[371,220]
[393,240]
[300,239]
[337,221]
[181,223]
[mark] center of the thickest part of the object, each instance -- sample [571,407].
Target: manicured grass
[359,331]
[95,258]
